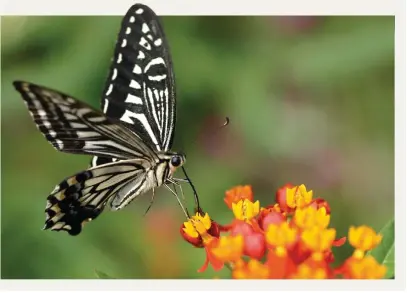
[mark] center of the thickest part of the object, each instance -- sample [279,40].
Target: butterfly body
[130,139]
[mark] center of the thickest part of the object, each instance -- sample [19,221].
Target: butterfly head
[176,161]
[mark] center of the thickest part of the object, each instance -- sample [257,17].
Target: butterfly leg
[177,181]
[151,203]
[179,201]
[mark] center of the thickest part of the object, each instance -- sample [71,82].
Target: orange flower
[365,268]
[305,271]
[216,263]
[280,266]
[228,248]
[238,193]
[254,269]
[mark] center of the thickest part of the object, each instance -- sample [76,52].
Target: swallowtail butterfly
[130,140]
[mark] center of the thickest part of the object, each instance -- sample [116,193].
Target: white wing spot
[157,77]
[119,58]
[114,74]
[95,119]
[137,69]
[41,112]
[155,61]
[150,37]
[52,133]
[132,19]
[144,28]
[124,43]
[143,42]
[135,84]
[141,55]
[109,90]
[133,99]
[60,143]
[56,189]
[94,161]
[46,124]
[158,42]
[139,11]
[105,105]
[128,30]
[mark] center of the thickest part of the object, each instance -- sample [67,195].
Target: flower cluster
[290,239]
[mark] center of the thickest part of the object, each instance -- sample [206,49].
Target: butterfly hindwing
[83,196]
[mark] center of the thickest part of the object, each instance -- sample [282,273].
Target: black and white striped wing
[140,89]
[83,196]
[72,126]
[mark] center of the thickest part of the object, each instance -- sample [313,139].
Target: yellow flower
[197,225]
[281,237]
[245,209]
[363,238]
[229,248]
[318,240]
[311,217]
[298,196]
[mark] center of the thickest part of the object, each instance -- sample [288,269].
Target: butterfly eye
[176,161]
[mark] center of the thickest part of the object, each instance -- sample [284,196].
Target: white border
[205,7]
[254,7]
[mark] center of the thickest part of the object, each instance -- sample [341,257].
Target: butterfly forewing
[72,126]
[140,88]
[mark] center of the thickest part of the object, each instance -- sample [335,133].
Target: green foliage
[385,253]
[102,275]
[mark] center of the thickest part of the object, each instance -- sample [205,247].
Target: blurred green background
[310,100]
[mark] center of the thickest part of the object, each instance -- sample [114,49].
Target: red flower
[270,216]
[281,198]
[319,203]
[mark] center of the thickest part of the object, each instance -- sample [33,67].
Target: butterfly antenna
[196,198]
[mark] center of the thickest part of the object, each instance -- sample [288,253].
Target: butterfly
[130,139]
